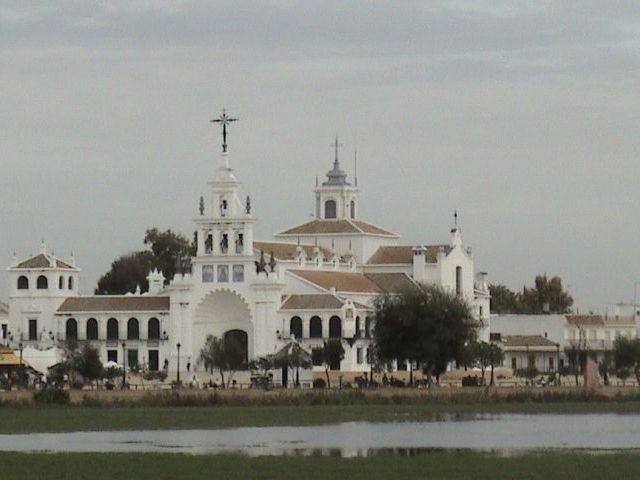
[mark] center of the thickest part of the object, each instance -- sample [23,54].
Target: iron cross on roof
[224,120]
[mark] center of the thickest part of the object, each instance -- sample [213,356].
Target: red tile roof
[109,303]
[286,251]
[403,254]
[341,281]
[527,341]
[312,302]
[328,227]
[44,261]
[356,282]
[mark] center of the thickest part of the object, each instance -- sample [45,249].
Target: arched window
[367,327]
[153,329]
[358,328]
[315,327]
[330,209]
[353,209]
[71,330]
[133,329]
[42,283]
[70,283]
[335,327]
[23,283]
[92,329]
[112,329]
[60,282]
[295,327]
[458,280]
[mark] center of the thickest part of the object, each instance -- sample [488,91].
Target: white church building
[314,281]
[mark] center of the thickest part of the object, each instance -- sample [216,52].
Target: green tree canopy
[427,324]
[627,355]
[330,355]
[224,355]
[546,296]
[169,252]
[503,300]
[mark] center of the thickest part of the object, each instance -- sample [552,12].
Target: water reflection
[495,433]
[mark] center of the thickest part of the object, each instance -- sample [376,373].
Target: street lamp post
[124,364]
[178,365]
[20,369]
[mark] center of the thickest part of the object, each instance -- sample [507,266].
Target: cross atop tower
[224,120]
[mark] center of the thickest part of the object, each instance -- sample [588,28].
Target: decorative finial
[201,205]
[224,120]
[355,166]
[43,247]
[316,180]
[455,218]
[336,145]
[247,207]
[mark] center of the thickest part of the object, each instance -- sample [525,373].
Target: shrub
[470,381]
[155,375]
[319,383]
[51,396]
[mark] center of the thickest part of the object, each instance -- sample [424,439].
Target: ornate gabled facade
[315,281]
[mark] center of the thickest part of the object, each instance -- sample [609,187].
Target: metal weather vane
[224,120]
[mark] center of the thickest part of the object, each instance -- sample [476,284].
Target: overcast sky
[523,116]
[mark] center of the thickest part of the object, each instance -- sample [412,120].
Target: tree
[330,355]
[168,251]
[223,354]
[425,324]
[547,296]
[172,251]
[503,300]
[292,357]
[496,357]
[627,355]
[76,360]
[88,363]
[623,373]
[486,355]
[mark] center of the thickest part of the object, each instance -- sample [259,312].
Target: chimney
[419,262]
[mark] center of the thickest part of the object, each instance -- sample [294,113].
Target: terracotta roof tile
[590,320]
[108,303]
[43,261]
[403,254]
[312,302]
[527,341]
[327,227]
[286,251]
[341,281]
[391,282]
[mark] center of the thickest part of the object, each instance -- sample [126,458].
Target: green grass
[82,418]
[439,465]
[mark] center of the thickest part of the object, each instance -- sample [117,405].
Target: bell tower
[336,199]
[225,224]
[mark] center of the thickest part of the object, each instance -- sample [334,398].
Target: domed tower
[336,198]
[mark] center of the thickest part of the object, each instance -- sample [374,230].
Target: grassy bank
[439,465]
[75,418]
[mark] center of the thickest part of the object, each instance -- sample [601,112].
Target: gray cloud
[524,118]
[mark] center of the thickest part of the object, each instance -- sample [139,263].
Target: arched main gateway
[224,314]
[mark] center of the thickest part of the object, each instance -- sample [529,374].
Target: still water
[481,432]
